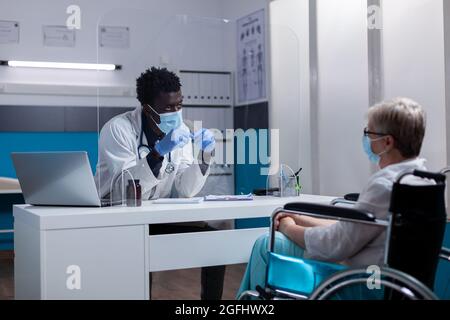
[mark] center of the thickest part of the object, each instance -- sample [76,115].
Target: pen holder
[289,186]
[134,194]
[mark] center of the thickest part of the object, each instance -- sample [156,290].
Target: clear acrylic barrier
[202,51]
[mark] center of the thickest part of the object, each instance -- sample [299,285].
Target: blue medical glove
[176,138]
[204,139]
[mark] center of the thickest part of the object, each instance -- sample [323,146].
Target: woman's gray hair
[405,120]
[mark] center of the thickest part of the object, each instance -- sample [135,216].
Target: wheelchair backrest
[417,227]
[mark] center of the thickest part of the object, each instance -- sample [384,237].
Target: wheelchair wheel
[353,285]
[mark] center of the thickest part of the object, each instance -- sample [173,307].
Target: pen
[298,172]
[297,180]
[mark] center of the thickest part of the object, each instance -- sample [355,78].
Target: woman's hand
[285,223]
[303,221]
[280,216]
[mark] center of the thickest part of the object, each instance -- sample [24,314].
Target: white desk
[10,191]
[113,249]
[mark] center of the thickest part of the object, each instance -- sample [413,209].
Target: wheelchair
[414,234]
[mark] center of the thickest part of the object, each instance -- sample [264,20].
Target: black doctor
[152,144]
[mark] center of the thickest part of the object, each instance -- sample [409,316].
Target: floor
[169,285]
[6,275]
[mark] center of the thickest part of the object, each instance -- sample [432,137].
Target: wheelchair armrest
[352,197]
[445,254]
[342,201]
[324,212]
[330,212]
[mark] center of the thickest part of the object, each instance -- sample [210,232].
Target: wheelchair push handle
[438,177]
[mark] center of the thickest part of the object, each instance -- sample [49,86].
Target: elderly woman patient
[392,140]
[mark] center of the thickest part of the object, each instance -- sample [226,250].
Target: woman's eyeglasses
[367,132]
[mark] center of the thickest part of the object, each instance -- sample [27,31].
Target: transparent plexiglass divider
[223,69]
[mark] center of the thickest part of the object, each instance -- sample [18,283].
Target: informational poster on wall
[9,32]
[58,36]
[251,57]
[114,37]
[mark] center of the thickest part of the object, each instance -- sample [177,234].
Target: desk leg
[27,262]
[147,292]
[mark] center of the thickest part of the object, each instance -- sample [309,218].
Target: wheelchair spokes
[352,285]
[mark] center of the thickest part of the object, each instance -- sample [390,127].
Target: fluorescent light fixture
[61,65]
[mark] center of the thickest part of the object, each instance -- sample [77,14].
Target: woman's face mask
[169,121]
[373,157]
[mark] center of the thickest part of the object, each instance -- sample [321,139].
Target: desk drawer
[199,249]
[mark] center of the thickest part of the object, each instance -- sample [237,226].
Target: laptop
[56,179]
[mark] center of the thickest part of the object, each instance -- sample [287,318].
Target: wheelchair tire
[396,285]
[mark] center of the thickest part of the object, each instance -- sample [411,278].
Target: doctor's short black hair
[154,81]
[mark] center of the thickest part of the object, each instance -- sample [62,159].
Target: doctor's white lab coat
[118,150]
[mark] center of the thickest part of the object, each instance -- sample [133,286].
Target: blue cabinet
[6,219]
[35,141]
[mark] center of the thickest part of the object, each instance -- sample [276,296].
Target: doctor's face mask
[169,121]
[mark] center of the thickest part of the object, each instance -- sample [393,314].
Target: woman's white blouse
[360,245]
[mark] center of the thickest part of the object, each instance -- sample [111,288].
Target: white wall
[159,28]
[414,65]
[195,42]
[339,166]
[290,100]
[343,95]
[413,50]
